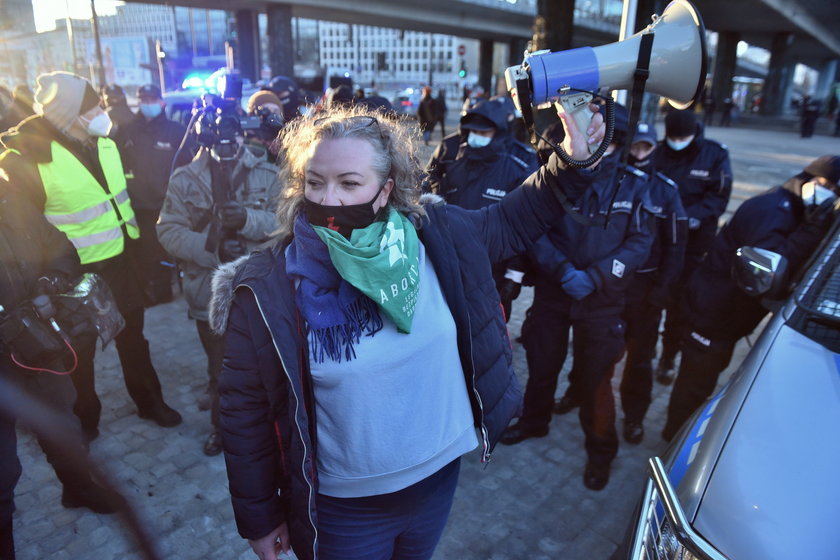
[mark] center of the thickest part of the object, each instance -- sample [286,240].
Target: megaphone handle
[577,105]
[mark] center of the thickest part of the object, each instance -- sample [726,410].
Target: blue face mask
[477,141]
[679,146]
[150,110]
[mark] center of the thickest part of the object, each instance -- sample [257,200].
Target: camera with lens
[263,124]
[221,119]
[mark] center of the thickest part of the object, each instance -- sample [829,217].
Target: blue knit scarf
[336,312]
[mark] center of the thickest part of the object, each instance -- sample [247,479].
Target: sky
[47,11]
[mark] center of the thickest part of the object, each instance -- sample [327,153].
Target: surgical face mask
[679,146]
[477,141]
[100,125]
[814,194]
[150,110]
[343,219]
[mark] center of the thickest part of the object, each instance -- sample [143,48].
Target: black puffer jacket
[267,407]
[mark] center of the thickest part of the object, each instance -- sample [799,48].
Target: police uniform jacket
[774,220]
[670,232]
[609,256]
[148,148]
[703,174]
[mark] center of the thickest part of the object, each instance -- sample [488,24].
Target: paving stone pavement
[528,503]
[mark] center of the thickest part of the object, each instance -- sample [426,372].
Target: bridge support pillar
[554,25]
[825,81]
[281,54]
[516,50]
[779,83]
[248,44]
[726,57]
[485,65]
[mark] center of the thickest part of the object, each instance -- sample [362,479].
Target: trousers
[642,321]
[141,379]
[700,367]
[214,347]
[402,525]
[598,344]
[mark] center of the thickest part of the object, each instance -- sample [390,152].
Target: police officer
[72,172]
[790,220]
[487,165]
[651,287]
[701,169]
[149,143]
[581,273]
[116,105]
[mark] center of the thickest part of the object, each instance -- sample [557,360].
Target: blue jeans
[403,525]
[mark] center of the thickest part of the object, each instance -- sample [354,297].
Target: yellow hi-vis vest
[80,207]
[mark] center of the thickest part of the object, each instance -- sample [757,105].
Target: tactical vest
[78,205]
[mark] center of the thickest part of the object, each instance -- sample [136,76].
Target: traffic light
[462,73]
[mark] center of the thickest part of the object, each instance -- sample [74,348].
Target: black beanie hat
[679,124]
[826,166]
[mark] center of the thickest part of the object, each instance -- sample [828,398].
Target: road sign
[462,50]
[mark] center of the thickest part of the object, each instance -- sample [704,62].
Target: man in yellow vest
[69,168]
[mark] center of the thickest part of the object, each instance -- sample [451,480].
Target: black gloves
[508,290]
[233,215]
[230,250]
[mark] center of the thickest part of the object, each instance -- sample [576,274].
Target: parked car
[406,101]
[754,474]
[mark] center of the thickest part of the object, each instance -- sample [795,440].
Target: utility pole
[431,56]
[69,24]
[99,65]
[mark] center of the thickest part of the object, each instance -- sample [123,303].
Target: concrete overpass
[794,31]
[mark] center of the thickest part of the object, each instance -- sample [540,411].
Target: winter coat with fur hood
[267,405]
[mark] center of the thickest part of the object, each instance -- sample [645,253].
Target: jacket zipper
[485,452]
[297,424]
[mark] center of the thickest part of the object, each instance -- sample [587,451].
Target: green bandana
[381,261]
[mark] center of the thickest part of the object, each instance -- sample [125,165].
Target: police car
[755,474]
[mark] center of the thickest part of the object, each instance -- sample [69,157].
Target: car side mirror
[759,272]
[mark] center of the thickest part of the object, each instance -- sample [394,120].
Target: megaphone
[676,71]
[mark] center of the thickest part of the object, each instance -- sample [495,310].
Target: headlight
[663,533]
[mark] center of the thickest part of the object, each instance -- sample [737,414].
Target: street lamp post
[99,65]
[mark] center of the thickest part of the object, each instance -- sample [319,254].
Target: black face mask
[343,219]
[643,164]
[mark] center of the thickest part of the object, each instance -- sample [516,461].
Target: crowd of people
[336,283]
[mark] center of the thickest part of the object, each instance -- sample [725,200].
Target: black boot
[7,542]
[90,495]
[160,413]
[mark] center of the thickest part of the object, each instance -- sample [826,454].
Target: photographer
[64,161]
[266,112]
[33,254]
[217,208]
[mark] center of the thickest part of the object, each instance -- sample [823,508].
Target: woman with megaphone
[366,350]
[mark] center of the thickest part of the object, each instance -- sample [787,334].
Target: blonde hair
[395,147]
